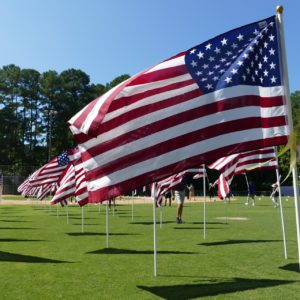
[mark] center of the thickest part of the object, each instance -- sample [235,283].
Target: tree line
[35,108]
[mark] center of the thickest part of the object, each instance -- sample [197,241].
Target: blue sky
[108,38]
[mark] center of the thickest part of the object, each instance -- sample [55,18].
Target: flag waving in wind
[50,172]
[261,159]
[169,183]
[221,97]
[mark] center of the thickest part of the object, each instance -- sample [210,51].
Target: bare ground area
[119,200]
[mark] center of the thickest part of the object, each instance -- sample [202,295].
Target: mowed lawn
[43,257]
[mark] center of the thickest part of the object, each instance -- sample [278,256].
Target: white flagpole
[57,214]
[288,100]
[67,210]
[204,206]
[132,194]
[247,189]
[161,216]
[99,208]
[50,205]
[107,224]
[154,229]
[113,206]
[281,213]
[82,218]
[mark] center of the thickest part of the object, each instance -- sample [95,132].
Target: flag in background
[223,187]
[261,159]
[50,172]
[169,183]
[81,192]
[66,185]
[48,189]
[221,97]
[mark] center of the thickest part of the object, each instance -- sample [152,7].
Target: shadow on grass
[199,228]
[151,223]
[98,234]
[19,240]
[13,216]
[17,228]
[129,251]
[15,221]
[210,223]
[129,216]
[13,257]
[190,291]
[40,207]
[79,218]
[232,242]
[86,224]
[291,267]
[6,212]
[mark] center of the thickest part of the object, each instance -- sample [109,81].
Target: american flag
[25,184]
[43,191]
[50,172]
[169,183]
[223,187]
[261,159]
[221,97]
[66,185]
[200,173]
[81,192]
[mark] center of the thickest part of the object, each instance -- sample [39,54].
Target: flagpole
[247,189]
[204,206]
[132,208]
[67,208]
[161,216]
[288,100]
[281,213]
[154,229]
[107,224]
[82,218]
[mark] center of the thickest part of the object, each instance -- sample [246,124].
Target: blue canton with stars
[63,159]
[248,55]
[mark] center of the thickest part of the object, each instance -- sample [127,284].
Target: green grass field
[43,257]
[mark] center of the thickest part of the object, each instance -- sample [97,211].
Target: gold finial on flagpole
[279,9]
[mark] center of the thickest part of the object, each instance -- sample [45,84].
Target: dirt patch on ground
[119,200]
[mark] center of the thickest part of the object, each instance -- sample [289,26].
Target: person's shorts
[179,196]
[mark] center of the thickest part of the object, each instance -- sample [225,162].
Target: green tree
[295,100]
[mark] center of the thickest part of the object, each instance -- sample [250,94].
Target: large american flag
[221,97]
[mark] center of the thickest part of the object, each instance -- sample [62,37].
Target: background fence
[13,176]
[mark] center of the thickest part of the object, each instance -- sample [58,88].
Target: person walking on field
[178,193]
[275,193]
[251,194]
[168,197]
[191,192]
[211,192]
